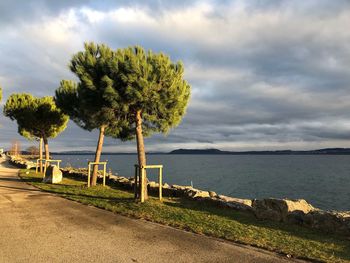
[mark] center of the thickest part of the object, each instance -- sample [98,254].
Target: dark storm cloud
[263,73]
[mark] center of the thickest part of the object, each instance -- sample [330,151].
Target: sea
[322,180]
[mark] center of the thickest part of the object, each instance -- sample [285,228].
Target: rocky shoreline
[297,212]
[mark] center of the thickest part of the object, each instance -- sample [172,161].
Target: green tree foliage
[0,93]
[93,102]
[37,118]
[125,94]
[154,93]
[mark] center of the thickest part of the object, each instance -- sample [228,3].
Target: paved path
[40,227]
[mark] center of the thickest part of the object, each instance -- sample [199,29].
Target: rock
[212,194]
[111,176]
[195,193]
[299,205]
[225,198]
[296,217]
[53,175]
[178,187]
[269,214]
[123,179]
[235,203]
[153,184]
[113,180]
[166,186]
[279,209]
[169,191]
[153,187]
[181,188]
[329,221]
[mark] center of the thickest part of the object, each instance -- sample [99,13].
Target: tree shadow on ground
[244,217]
[249,219]
[6,164]
[212,209]
[20,188]
[10,179]
[31,179]
[76,178]
[89,196]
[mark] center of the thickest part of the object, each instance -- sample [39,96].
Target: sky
[264,75]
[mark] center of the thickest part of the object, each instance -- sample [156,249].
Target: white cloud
[262,76]
[93,16]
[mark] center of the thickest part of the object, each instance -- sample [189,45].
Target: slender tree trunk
[141,151]
[41,154]
[47,153]
[46,145]
[16,149]
[98,154]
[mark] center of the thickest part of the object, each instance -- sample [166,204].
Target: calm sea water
[324,181]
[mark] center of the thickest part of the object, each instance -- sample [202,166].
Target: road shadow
[95,197]
[10,179]
[89,196]
[20,188]
[6,164]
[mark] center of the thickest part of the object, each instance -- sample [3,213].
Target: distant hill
[339,151]
[73,153]
[199,151]
[331,151]
[93,153]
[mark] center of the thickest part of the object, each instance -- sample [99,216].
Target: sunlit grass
[205,218]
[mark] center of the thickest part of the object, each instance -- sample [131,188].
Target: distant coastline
[335,151]
[326,151]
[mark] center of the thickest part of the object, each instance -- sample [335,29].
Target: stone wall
[281,210]
[21,163]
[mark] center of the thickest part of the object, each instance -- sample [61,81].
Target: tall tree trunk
[46,145]
[16,149]
[98,154]
[141,155]
[47,153]
[41,154]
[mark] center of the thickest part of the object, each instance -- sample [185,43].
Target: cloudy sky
[264,74]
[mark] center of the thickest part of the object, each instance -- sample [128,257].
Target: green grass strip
[205,218]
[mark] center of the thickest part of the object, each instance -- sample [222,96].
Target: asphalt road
[39,227]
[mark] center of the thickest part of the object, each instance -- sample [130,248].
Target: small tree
[37,118]
[33,150]
[0,93]
[15,149]
[93,103]
[154,93]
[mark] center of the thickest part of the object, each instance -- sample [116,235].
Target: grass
[205,218]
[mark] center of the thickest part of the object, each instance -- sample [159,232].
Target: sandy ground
[40,227]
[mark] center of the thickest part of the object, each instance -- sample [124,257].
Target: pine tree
[93,102]
[37,118]
[154,94]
